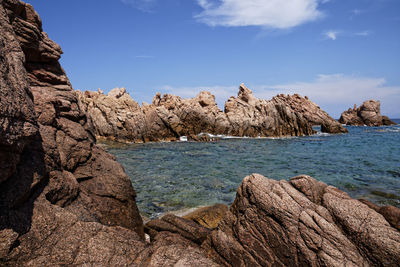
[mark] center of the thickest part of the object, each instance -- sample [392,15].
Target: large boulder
[312,112]
[302,222]
[369,114]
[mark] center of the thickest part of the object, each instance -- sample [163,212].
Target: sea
[174,176]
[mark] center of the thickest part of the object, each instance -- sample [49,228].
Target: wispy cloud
[363,33]
[332,35]
[275,14]
[142,5]
[334,92]
[144,56]
[357,11]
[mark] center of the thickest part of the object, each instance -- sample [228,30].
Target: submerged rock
[369,114]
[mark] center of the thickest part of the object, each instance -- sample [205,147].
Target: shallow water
[172,176]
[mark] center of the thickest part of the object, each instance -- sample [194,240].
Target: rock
[312,112]
[169,249]
[208,216]
[249,116]
[63,200]
[369,114]
[117,116]
[391,213]
[302,222]
[18,125]
[184,227]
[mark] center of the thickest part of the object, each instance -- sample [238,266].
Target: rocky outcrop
[117,116]
[302,222]
[58,190]
[369,114]
[312,112]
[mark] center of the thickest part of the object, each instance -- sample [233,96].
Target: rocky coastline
[64,201]
[116,116]
[368,114]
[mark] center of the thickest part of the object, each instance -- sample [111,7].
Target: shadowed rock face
[57,189]
[117,116]
[369,114]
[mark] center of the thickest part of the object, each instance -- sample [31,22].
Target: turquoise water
[172,176]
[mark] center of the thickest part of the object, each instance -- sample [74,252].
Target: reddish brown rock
[312,112]
[301,223]
[249,116]
[369,114]
[58,190]
[117,117]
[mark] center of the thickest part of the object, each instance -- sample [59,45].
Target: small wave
[389,130]
[183,138]
[322,134]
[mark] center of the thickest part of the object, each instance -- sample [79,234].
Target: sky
[336,52]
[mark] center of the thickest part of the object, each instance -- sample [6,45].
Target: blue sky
[336,52]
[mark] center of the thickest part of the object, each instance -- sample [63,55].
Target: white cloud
[142,5]
[331,35]
[265,13]
[334,92]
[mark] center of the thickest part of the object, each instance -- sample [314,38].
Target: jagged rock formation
[65,201]
[117,116]
[369,114]
[57,189]
[312,112]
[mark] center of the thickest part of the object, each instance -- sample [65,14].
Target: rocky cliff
[117,116]
[369,114]
[57,189]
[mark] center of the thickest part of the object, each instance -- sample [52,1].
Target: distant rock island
[64,201]
[117,116]
[369,114]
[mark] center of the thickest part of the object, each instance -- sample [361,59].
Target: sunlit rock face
[369,114]
[117,116]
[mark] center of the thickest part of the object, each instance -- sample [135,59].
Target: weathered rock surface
[312,112]
[209,216]
[302,222]
[369,114]
[57,189]
[117,116]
